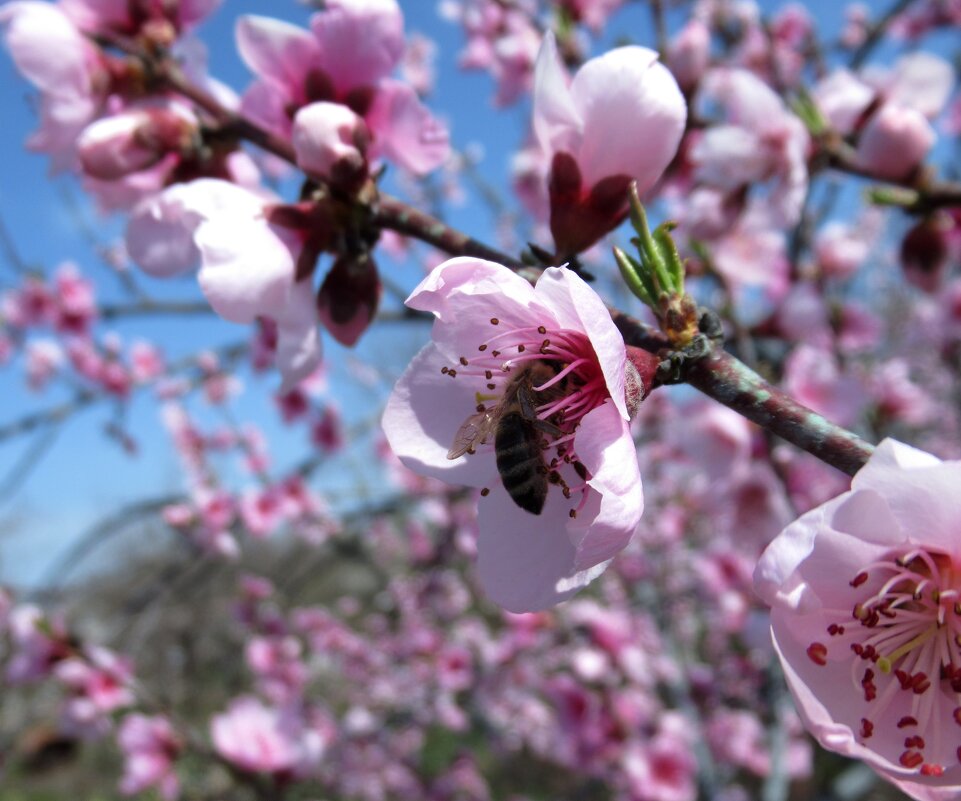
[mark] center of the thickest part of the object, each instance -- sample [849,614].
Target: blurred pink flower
[489,322]
[264,739]
[864,593]
[759,141]
[894,142]
[150,746]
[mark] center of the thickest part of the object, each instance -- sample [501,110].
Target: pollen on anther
[463,361]
[444,370]
[482,347]
[541,329]
[485,492]
[818,653]
[859,579]
[452,373]
[494,321]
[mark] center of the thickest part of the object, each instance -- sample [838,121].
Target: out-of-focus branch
[147,308]
[930,194]
[876,33]
[398,216]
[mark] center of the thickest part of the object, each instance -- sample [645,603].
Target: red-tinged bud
[924,252]
[580,217]
[114,147]
[639,377]
[348,298]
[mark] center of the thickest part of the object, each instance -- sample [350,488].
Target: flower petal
[423,415]
[606,448]
[578,307]
[526,563]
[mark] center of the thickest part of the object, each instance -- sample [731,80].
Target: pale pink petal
[606,448]
[277,51]
[634,116]
[922,81]
[247,270]
[266,103]
[33,32]
[842,98]
[894,142]
[527,563]
[361,41]
[405,131]
[557,122]
[422,418]
[298,337]
[577,307]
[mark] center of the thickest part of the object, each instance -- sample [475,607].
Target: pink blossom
[99,682]
[76,301]
[841,249]
[689,54]
[760,141]
[593,13]
[843,99]
[264,739]
[248,265]
[490,321]
[121,16]
[72,85]
[346,57]
[921,81]
[664,768]
[894,142]
[44,358]
[620,119]
[863,593]
[150,746]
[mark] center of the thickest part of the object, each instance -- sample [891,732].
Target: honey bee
[519,441]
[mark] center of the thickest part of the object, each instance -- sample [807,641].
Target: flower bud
[894,142]
[131,141]
[689,54]
[347,300]
[924,253]
[331,141]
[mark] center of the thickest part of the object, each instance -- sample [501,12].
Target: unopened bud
[348,298]
[639,376]
[924,252]
[894,142]
[114,147]
[331,141]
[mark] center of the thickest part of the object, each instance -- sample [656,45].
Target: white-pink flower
[492,327]
[150,746]
[264,739]
[865,593]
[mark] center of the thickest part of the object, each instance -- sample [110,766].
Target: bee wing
[474,431]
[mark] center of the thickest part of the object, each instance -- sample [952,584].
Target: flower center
[906,642]
[551,377]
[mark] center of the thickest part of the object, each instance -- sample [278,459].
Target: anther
[480,407]
[488,374]
[906,721]
[463,361]
[931,769]
[492,386]
[452,373]
[818,653]
[572,513]
[482,347]
[859,579]
[485,492]
[867,728]
[444,370]
[911,759]
[495,353]
[521,348]
[494,321]
[541,329]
